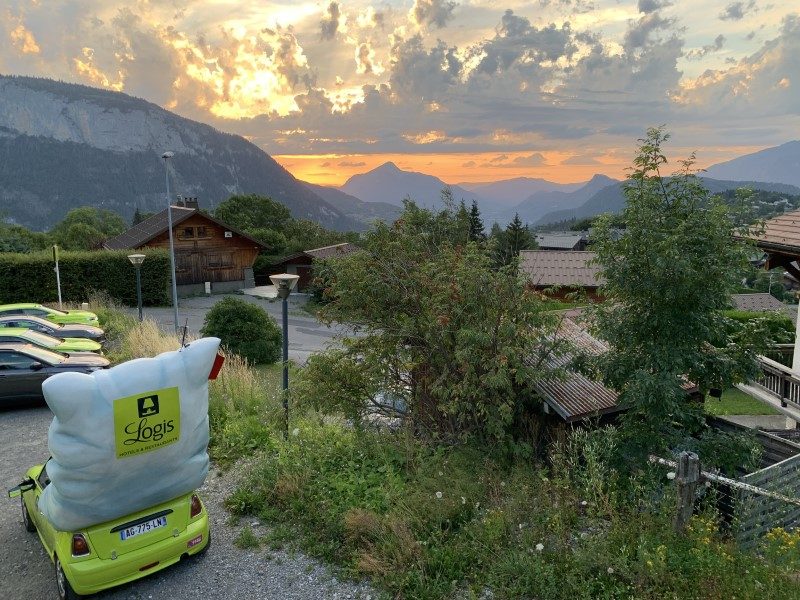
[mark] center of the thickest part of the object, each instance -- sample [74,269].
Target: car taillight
[196,506]
[80,547]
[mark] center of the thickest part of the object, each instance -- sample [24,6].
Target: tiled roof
[563,241]
[782,232]
[763,302]
[335,250]
[155,225]
[575,396]
[560,267]
[151,227]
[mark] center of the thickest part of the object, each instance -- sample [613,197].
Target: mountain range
[64,145]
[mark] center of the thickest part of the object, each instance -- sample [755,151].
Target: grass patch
[736,402]
[246,539]
[426,522]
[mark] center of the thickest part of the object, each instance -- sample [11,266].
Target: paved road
[225,572]
[306,334]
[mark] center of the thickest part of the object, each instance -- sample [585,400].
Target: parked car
[51,314]
[43,340]
[119,551]
[23,368]
[66,330]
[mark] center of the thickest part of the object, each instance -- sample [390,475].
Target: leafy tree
[15,238]
[668,281]
[302,234]
[476,229]
[245,329]
[251,211]
[448,336]
[86,228]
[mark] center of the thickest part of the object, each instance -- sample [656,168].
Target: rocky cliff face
[64,145]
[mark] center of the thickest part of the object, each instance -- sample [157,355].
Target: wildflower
[438,495]
[440,473]
[463,500]
[671,475]
[584,535]
[502,484]
[610,570]
[295,431]
[584,503]
[539,547]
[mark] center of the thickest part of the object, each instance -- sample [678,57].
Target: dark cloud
[433,12]
[698,53]
[364,58]
[423,73]
[639,33]
[648,6]
[736,10]
[517,42]
[329,24]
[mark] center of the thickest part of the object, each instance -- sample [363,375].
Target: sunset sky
[468,90]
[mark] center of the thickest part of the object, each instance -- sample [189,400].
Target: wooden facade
[204,253]
[206,250]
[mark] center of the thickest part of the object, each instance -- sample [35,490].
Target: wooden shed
[301,263]
[206,250]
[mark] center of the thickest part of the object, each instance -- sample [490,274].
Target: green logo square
[147,421]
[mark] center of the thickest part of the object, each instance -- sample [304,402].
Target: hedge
[32,278]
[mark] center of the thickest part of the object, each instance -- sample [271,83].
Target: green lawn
[735,402]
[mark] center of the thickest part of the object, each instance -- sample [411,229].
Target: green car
[83,317]
[116,552]
[20,334]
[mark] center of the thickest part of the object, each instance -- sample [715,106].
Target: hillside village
[411,299]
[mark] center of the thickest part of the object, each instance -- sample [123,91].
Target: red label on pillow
[215,369]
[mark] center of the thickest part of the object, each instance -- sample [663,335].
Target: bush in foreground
[245,329]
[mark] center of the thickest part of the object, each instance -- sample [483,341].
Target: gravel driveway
[224,572]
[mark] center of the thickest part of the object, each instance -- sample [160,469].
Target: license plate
[143,528]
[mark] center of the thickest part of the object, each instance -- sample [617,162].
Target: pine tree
[516,237]
[476,230]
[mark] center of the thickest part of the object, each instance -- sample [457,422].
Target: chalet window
[186,233]
[220,260]
[203,232]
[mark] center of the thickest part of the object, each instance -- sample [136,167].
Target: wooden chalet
[780,241]
[206,250]
[301,263]
[560,272]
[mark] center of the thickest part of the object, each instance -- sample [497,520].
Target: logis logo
[148,406]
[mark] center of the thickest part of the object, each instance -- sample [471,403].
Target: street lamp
[285,283]
[166,156]
[136,261]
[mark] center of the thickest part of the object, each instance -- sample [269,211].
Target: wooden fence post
[686,480]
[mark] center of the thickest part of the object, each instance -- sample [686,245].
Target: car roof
[17,346]
[16,331]
[27,317]
[20,305]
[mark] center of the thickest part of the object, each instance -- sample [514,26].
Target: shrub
[245,329]
[779,326]
[30,277]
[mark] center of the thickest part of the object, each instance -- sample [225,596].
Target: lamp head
[136,259]
[284,283]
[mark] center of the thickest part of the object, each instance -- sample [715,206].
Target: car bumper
[94,575]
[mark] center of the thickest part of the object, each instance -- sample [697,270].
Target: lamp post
[284,284]
[166,156]
[136,261]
